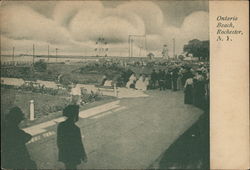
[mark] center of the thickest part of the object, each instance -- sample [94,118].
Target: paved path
[127,133]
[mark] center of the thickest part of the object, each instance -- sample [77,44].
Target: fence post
[32,110]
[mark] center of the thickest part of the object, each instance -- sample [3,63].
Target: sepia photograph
[105,84]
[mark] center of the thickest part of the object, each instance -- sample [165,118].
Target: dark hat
[15,114]
[71,110]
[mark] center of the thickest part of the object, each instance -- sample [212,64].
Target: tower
[101,49]
[137,45]
[165,51]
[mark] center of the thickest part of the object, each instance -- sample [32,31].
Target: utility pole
[129,45]
[145,41]
[140,51]
[33,54]
[48,53]
[132,40]
[56,54]
[13,55]
[174,47]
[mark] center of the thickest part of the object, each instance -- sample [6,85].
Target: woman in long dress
[139,85]
[131,81]
[179,83]
[146,82]
[188,90]
[199,91]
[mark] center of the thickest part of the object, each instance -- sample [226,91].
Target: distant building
[165,52]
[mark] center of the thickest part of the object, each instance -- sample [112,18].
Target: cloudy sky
[74,26]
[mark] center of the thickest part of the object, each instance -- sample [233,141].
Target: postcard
[125,84]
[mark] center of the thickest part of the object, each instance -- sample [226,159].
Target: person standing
[161,79]
[69,141]
[179,83]
[168,80]
[199,94]
[75,94]
[188,90]
[174,79]
[154,78]
[146,82]
[14,151]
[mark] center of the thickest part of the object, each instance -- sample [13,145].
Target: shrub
[40,66]
[90,97]
[112,71]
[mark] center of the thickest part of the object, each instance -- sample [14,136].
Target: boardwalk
[127,133]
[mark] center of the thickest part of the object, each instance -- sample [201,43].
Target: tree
[197,48]
[150,55]
[205,50]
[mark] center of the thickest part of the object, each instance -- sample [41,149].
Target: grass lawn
[47,107]
[63,68]
[70,69]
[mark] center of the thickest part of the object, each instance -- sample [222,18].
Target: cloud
[21,22]
[65,11]
[75,26]
[196,25]
[150,13]
[86,26]
[113,24]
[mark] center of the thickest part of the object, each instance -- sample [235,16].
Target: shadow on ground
[190,150]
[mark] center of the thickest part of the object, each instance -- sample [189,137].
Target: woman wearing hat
[14,151]
[69,140]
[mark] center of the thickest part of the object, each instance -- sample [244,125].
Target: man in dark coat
[154,78]
[69,141]
[168,81]
[161,80]
[174,79]
[14,151]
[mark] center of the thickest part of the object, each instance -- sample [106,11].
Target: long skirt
[168,84]
[179,84]
[174,84]
[188,99]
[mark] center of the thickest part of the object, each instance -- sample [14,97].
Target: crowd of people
[193,81]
